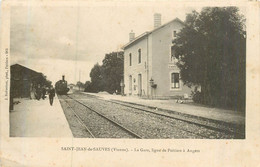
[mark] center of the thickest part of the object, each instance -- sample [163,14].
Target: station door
[140,84]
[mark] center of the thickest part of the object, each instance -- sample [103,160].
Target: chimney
[131,36]
[157,20]
[63,77]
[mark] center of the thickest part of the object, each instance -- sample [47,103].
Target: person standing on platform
[38,92]
[43,92]
[31,91]
[51,94]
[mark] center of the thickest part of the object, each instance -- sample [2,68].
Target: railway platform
[228,116]
[33,118]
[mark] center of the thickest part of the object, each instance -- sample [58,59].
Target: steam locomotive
[61,86]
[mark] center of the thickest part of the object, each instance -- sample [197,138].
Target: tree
[87,86]
[108,76]
[97,78]
[80,85]
[48,83]
[211,49]
[113,69]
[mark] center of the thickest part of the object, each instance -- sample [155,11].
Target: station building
[22,79]
[150,65]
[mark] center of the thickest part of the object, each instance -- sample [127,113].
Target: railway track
[181,118]
[147,124]
[96,129]
[195,121]
[79,119]
[143,134]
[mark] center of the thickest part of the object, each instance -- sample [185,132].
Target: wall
[161,65]
[136,68]
[155,64]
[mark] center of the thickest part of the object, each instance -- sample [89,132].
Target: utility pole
[79,79]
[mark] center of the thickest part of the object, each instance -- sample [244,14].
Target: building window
[175,80]
[174,34]
[173,58]
[130,59]
[172,54]
[139,56]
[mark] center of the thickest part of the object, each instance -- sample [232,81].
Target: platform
[33,118]
[218,114]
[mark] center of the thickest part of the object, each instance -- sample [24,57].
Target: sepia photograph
[129,83]
[163,74]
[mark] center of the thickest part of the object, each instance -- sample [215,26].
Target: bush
[197,97]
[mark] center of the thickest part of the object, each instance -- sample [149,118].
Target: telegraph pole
[79,78]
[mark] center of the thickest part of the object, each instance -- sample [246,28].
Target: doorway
[140,84]
[130,84]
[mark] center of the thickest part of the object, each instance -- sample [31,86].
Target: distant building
[22,80]
[72,86]
[150,65]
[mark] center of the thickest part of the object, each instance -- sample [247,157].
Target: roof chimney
[131,36]
[157,20]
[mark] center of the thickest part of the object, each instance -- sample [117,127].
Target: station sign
[173,66]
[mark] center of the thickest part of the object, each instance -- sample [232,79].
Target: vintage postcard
[129,83]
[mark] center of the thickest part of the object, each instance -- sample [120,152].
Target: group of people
[39,92]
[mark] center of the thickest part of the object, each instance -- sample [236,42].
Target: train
[61,86]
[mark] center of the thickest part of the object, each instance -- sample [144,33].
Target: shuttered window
[130,59]
[175,80]
[139,56]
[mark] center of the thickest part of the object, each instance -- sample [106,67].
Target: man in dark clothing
[51,94]
[38,92]
[43,93]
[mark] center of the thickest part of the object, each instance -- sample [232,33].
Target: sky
[69,40]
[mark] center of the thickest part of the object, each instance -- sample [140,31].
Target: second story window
[172,53]
[139,56]
[130,59]
[173,58]
[174,34]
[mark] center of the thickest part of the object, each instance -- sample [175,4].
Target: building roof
[23,67]
[149,32]
[20,70]
[71,84]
